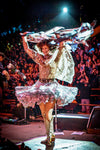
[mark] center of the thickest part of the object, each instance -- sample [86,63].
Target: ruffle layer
[42,92]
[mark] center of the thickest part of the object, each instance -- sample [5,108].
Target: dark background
[15,12]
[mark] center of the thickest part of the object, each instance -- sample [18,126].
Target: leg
[49,118]
[46,110]
[42,108]
[52,130]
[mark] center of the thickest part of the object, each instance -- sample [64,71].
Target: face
[45,49]
[61,44]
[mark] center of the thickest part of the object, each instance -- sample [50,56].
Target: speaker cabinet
[93,125]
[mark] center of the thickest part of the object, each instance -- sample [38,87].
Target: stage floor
[61,144]
[32,134]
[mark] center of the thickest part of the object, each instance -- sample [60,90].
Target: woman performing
[55,62]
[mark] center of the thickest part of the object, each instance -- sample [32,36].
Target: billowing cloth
[42,92]
[65,68]
[76,35]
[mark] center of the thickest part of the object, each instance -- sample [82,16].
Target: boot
[52,130]
[42,108]
[49,119]
[46,110]
[49,141]
[47,127]
[50,133]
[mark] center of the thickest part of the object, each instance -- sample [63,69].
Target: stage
[32,133]
[61,144]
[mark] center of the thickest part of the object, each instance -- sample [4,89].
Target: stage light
[65,9]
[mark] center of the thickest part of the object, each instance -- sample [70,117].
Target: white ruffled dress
[44,90]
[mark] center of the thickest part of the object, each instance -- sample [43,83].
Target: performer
[55,62]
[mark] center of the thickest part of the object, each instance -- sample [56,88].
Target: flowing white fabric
[76,34]
[65,68]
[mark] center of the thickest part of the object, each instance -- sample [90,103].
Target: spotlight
[65,10]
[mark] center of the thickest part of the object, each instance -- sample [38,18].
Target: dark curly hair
[46,42]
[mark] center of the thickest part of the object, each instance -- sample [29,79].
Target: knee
[50,116]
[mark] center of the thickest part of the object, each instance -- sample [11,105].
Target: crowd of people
[86,58]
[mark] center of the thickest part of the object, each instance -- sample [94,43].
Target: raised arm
[29,51]
[33,54]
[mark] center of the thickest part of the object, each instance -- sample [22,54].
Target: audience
[87,63]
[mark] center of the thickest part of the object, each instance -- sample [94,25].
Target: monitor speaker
[93,125]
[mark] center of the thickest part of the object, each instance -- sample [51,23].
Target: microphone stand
[24,120]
